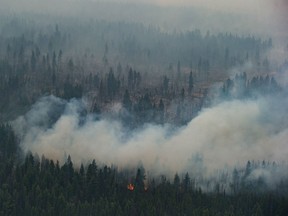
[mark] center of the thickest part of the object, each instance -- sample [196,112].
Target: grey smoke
[224,136]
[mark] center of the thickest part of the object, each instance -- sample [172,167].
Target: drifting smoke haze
[224,136]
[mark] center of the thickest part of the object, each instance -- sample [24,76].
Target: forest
[118,116]
[108,68]
[34,186]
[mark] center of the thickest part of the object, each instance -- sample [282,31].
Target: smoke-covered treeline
[225,135]
[130,43]
[112,62]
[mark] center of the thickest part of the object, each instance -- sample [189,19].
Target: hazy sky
[247,5]
[254,6]
[260,7]
[260,17]
[269,16]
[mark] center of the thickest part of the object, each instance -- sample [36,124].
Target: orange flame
[130,187]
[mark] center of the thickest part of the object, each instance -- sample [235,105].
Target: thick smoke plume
[224,136]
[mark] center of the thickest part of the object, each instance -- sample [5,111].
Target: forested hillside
[139,65]
[104,115]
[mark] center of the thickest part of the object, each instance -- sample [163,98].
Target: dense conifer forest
[34,186]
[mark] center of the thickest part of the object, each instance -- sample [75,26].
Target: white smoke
[226,135]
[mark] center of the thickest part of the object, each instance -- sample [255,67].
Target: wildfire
[130,187]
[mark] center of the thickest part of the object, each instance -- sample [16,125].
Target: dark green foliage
[45,188]
[8,142]
[127,103]
[165,85]
[72,91]
[112,85]
[139,180]
[191,82]
[134,79]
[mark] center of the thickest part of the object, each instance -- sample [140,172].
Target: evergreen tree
[127,103]
[190,83]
